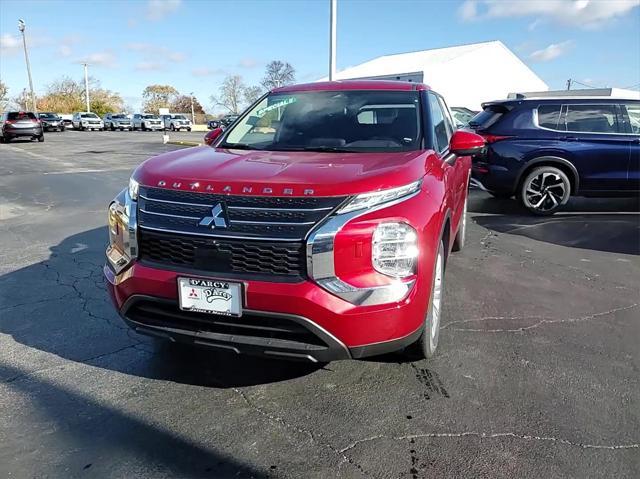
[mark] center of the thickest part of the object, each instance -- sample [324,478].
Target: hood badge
[228,189]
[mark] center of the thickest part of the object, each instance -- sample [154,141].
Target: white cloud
[551,52]
[206,72]
[581,13]
[105,59]
[247,63]
[151,52]
[158,9]
[9,44]
[149,66]
[65,51]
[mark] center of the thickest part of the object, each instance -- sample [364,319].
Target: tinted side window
[633,110]
[591,119]
[549,116]
[440,135]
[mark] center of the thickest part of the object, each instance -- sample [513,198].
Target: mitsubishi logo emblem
[217,218]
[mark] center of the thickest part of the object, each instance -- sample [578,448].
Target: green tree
[158,96]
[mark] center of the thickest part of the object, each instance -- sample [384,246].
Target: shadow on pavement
[60,306]
[610,225]
[94,433]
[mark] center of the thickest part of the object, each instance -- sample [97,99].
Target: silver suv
[87,121]
[176,122]
[115,121]
[147,121]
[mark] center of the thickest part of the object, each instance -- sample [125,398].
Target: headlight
[367,200]
[134,186]
[395,249]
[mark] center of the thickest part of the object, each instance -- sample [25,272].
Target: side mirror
[466,143]
[213,135]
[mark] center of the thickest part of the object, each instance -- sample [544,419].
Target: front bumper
[323,326]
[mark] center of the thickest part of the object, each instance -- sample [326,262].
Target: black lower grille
[222,256]
[250,325]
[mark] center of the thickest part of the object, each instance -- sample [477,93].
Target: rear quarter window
[549,116]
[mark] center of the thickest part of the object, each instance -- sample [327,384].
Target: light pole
[193,116]
[21,27]
[86,86]
[332,40]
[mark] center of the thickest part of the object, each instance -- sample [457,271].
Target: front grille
[254,217]
[250,325]
[223,256]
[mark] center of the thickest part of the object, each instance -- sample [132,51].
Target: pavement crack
[496,435]
[541,321]
[81,361]
[312,436]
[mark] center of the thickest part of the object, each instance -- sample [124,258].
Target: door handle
[569,138]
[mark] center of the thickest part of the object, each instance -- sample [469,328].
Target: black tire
[172,127]
[545,190]
[427,344]
[41,138]
[61,129]
[113,128]
[503,195]
[188,129]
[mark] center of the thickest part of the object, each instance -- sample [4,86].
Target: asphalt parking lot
[537,373]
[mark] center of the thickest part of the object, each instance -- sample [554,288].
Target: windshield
[49,116]
[149,117]
[88,115]
[118,116]
[331,121]
[179,117]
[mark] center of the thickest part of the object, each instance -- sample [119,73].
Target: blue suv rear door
[595,136]
[631,115]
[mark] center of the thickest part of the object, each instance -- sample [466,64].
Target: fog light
[395,249]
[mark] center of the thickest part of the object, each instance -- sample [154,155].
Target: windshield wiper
[328,149]
[238,146]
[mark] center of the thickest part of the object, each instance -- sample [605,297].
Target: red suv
[317,227]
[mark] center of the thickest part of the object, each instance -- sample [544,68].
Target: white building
[466,75]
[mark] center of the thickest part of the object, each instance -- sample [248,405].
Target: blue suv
[544,150]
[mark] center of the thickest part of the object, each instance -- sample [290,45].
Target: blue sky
[193,44]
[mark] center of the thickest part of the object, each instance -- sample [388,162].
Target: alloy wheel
[436,301]
[545,191]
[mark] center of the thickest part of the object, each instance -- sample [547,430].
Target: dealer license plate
[210,296]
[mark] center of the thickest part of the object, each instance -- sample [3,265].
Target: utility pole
[332,40]
[193,115]
[21,27]
[86,86]
[569,84]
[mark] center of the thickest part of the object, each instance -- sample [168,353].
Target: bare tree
[231,94]
[252,93]
[278,74]
[4,95]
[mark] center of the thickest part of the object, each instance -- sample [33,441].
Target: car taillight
[9,122]
[494,138]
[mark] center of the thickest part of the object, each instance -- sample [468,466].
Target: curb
[183,143]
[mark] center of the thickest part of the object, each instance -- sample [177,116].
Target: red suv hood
[272,172]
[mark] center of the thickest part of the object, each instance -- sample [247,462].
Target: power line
[584,84]
[632,87]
